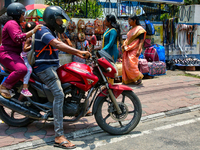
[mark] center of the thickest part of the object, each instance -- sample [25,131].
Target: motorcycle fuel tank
[78,74]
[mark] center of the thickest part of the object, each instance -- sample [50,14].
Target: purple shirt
[12,37]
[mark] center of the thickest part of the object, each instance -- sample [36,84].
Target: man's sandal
[5,92]
[61,145]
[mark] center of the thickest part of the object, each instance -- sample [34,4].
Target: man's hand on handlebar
[85,54]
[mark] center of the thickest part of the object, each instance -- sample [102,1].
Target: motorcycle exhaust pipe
[17,107]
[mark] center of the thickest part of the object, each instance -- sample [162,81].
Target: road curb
[193,73]
[94,130]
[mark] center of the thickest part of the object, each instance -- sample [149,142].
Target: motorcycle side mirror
[86,43]
[93,40]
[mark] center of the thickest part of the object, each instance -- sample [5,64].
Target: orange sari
[130,71]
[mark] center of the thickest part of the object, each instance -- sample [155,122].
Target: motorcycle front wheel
[117,124]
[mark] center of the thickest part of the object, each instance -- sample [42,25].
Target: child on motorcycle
[27,47]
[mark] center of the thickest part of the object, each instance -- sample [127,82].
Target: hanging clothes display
[186,36]
[190,34]
[177,36]
[182,38]
[169,31]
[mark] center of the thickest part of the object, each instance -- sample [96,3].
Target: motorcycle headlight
[116,74]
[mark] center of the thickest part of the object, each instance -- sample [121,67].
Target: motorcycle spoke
[106,117]
[12,114]
[132,111]
[123,98]
[108,101]
[120,123]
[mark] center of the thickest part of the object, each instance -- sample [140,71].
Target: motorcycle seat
[34,76]
[4,69]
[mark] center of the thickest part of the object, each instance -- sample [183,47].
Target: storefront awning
[160,1]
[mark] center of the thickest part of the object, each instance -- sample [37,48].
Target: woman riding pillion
[12,39]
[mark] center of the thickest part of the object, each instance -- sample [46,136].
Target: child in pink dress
[27,47]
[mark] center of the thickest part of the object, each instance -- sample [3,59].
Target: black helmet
[50,15]
[15,9]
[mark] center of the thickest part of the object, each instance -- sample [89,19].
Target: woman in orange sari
[132,47]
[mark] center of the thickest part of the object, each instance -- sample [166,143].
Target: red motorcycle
[116,108]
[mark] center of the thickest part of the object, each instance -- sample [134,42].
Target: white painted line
[153,116]
[169,126]
[194,108]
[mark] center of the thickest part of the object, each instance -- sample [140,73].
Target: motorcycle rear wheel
[13,118]
[108,119]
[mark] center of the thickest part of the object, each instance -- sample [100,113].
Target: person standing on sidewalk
[132,48]
[47,62]
[12,39]
[110,36]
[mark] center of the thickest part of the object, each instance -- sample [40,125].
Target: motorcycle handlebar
[85,55]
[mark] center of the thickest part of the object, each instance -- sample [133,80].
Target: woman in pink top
[12,39]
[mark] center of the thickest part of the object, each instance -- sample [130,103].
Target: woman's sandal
[138,82]
[5,92]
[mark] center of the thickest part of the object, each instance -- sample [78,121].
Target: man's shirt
[45,54]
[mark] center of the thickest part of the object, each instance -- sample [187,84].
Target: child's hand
[28,41]
[125,48]
[38,27]
[27,45]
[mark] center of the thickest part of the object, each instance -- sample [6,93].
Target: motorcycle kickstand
[45,118]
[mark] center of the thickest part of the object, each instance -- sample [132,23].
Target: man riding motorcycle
[47,62]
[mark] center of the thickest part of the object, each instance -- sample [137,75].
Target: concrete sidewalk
[160,96]
[195,73]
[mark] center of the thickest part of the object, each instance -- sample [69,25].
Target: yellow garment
[130,71]
[110,80]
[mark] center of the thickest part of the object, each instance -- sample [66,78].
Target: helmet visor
[65,16]
[21,10]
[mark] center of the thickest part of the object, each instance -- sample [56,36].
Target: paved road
[160,97]
[175,132]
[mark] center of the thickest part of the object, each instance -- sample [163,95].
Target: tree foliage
[78,8]
[172,12]
[94,10]
[190,2]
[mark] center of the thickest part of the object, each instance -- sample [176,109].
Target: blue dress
[110,43]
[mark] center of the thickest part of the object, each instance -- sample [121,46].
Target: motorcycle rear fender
[117,90]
